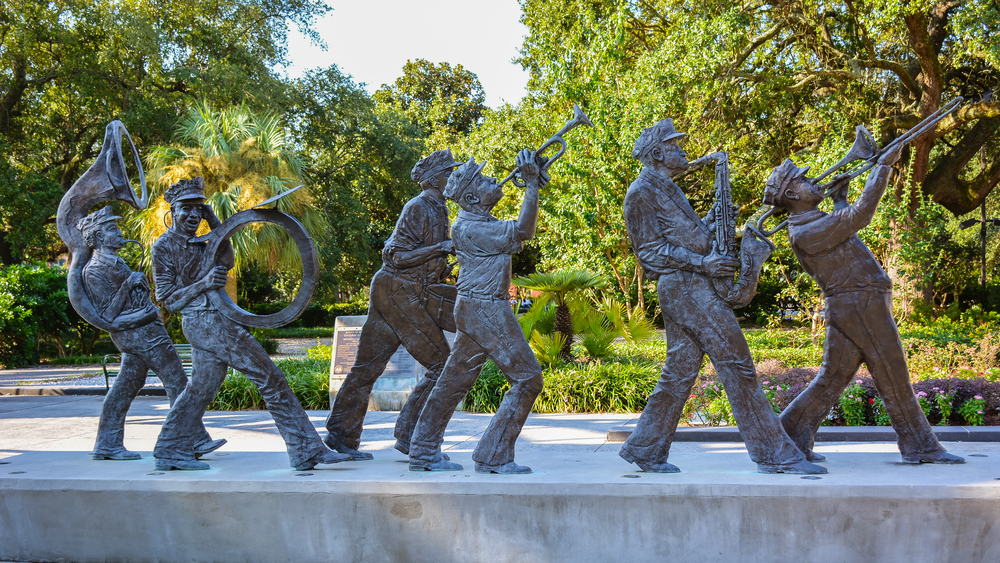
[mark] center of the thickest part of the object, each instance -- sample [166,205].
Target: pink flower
[858,381]
[767,383]
[979,397]
[850,396]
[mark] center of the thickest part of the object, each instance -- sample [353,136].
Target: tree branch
[966,113]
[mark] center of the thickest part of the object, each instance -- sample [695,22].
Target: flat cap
[652,136]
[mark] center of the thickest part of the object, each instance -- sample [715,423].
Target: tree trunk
[564,326]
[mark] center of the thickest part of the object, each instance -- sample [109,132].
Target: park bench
[183,350]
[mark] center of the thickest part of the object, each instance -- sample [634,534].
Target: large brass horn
[864,148]
[105,181]
[579,118]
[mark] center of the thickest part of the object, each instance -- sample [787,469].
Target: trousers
[860,328]
[137,360]
[219,343]
[698,322]
[397,315]
[487,329]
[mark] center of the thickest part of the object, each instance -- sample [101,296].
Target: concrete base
[577,506]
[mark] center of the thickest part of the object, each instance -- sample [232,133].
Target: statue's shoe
[121,454]
[405,449]
[336,445]
[509,468]
[798,468]
[814,457]
[440,463]
[167,464]
[208,447]
[934,457]
[648,467]
[327,456]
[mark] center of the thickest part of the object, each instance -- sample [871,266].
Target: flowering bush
[972,410]
[852,404]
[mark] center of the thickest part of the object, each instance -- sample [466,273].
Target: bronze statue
[485,321]
[859,322]
[677,248]
[409,305]
[189,274]
[109,295]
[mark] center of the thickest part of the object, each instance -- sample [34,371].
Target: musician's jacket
[105,279]
[423,222]
[666,233]
[828,246]
[177,266]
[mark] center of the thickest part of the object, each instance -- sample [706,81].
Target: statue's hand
[216,279]
[447,247]
[891,157]
[528,168]
[719,266]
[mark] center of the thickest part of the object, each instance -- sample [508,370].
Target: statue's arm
[226,256]
[407,248]
[826,233]
[174,298]
[534,178]
[649,242]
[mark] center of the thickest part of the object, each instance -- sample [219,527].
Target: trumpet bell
[580,118]
[864,148]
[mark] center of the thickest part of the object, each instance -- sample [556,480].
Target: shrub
[309,380]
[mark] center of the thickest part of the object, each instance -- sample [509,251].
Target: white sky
[372,40]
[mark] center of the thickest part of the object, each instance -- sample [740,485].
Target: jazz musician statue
[859,323]
[409,306]
[217,342]
[675,247]
[487,328]
[119,294]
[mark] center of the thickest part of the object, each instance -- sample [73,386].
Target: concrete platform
[582,503]
[825,434]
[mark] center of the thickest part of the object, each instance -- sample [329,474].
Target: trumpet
[579,118]
[866,150]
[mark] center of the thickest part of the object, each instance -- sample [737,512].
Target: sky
[372,40]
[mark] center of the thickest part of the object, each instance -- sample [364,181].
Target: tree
[558,287]
[358,157]
[244,158]
[446,101]
[67,68]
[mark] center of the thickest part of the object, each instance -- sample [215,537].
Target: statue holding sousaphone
[859,323]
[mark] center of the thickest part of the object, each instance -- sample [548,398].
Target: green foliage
[879,416]
[445,101]
[548,347]
[852,404]
[944,402]
[67,68]
[35,311]
[309,380]
[298,332]
[972,410]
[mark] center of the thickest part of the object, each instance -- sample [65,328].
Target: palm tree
[558,286]
[244,159]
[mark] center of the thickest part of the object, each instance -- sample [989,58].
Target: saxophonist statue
[694,261]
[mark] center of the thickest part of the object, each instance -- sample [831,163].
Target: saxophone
[753,251]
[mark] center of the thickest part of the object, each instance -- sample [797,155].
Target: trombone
[866,150]
[579,118]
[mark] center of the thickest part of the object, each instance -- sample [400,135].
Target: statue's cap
[185,189]
[432,164]
[779,178]
[462,179]
[96,219]
[652,136]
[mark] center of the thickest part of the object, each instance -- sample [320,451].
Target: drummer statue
[217,342]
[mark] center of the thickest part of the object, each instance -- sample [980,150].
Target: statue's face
[111,236]
[440,180]
[490,193]
[673,156]
[188,214]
